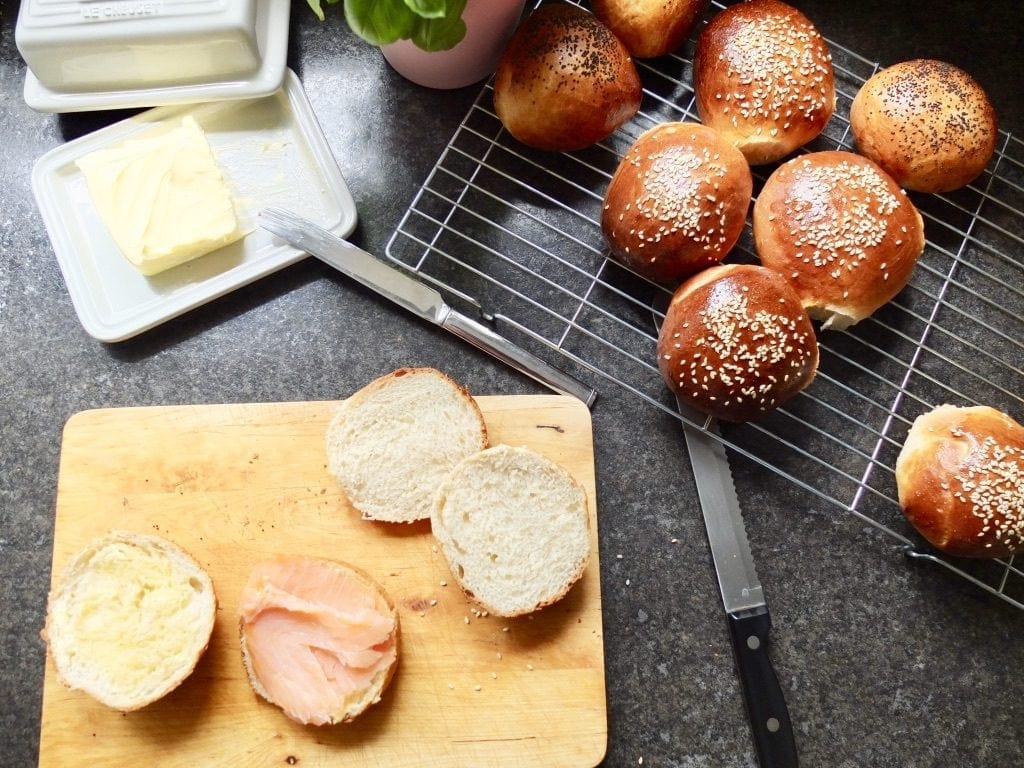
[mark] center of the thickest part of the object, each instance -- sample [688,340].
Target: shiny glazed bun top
[840,231]
[650,28]
[735,342]
[564,81]
[927,123]
[960,479]
[677,202]
[763,77]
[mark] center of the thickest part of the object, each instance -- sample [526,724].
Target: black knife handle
[766,706]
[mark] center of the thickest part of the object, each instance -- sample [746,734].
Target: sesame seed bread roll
[960,480]
[929,124]
[564,81]
[650,28]
[735,342]
[763,77]
[677,202]
[840,231]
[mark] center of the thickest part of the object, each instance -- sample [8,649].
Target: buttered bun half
[677,201]
[929,124]
[129,619]
[840,231]
[960,480]
[763,77]
[650,28]
[565,81]
[735,342]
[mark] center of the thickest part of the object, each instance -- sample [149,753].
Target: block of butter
[162,197]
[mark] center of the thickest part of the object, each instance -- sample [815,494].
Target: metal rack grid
[515,233]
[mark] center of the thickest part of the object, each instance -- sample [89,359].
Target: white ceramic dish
[272,152]
[44,41]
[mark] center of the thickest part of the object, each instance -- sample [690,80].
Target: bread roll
[763,77]
[129,619]
[564,81]
[650,28]
[735,342]
[514,528]
[391,443]
[960,480]
[677,201]
[927,123]
[840,231]
[319,638]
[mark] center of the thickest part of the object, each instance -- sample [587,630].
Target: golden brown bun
[840,231]
[736,343]
[763,77]
[927,123]
[960,480]
[650,28]
[564,81]
[677,202]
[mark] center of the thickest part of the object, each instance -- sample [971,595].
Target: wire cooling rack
[516,234]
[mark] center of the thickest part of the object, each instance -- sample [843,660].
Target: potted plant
[435,43]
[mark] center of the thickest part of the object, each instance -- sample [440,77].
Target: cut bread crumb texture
[514,528]
[391,443]
[130,619]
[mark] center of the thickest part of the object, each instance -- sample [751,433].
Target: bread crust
[677,202]
[565,81]
[735,342]
[650,28]
[69,659]
[960,481]
[840,231]
[929,124]
[763,78]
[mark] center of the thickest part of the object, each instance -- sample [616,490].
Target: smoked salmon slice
[319,638]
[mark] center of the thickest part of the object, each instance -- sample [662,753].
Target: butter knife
[401,288]
[742,595]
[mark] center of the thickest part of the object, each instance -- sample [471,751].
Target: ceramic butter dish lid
[87,55]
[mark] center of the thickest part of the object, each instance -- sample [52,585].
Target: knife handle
[481,336]
[766,706]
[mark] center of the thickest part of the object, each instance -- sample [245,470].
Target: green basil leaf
[429,9]
[380,22]
[441,34]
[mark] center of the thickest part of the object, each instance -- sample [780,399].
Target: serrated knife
[419,298]
[742,595]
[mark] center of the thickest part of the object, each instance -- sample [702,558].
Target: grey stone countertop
[884,661]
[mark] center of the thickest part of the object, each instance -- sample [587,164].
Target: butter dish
[271,151]
[87,55]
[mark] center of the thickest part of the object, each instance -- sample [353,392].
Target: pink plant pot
[489,25]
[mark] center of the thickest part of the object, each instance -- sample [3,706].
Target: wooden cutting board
[233,484]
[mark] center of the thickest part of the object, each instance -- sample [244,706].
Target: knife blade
[742,595]
[415,296]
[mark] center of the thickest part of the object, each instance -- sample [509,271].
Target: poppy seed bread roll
[840,231]
[564,81]
[960,480]
[735,342]
[763,77]
[929,124]
[677,202]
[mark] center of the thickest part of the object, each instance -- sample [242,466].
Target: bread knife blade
[401,288]
[742,595]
